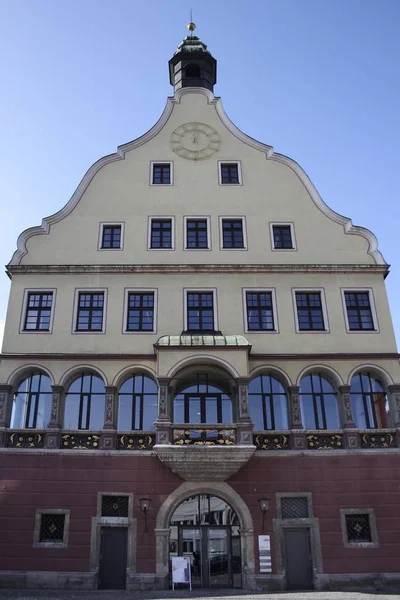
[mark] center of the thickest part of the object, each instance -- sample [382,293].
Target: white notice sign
[181,570]
[264,550]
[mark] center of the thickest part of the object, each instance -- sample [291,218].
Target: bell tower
[192,64]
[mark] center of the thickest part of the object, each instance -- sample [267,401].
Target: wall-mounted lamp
[145,507]
[264,506]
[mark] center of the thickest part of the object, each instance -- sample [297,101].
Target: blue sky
[316,79]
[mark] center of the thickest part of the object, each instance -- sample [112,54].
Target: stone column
[5,399]
[162,558]
[245,424]
[394,404]
[298,436]
[351,437]
[52,438]
[108,438]
[163,423]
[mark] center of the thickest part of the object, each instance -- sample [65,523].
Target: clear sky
[316,79]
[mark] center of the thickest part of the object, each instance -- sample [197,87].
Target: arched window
[202,403]
[137,403]
[369,402]
[32,402]
[192,71]
[268,403]
[85,403]
[318,403]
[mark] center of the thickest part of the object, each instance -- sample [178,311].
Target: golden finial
[191,26]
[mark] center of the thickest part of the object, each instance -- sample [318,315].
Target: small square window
[310,313]
[282,237]
[115,506]
[359,527]
[38,311]
[259,311]
[161,174]
[232,233]
[51,528]
[294,507]
[140,312]
[161,234]
[359,311]
[230,173]
[197,234]
[111,237]
[90,309]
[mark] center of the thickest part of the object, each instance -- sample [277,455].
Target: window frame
[272,291]
[149,227]
[129,290]
[313,290]
[230,162]
[221,220]
[153,163]
[78,291]
[198,290]
[374,315]
[38,521]
[290,224]
[24,308]
[206,218]
[104,224]
[372,525]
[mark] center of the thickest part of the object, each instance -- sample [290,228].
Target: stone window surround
[230,162]
[372,524]
[24,307]
[187,218]
[171,172]
[223,218]
[199,290]
[272,291]
[271,235]
[153,291]
[101,228]
[89,290]
[38,519]
[165,218]
[311,290]
[370,293]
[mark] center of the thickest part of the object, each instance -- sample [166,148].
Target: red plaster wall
[31,481]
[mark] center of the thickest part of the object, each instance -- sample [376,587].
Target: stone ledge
[204,463]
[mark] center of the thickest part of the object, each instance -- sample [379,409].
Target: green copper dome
[192,43]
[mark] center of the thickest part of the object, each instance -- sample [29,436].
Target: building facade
[199,361]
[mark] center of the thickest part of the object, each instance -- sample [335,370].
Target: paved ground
[165,595]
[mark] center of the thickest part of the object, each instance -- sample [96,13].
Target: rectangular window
[282,237]
[140,312]
[90,311]
[111,237]
[359,313]
[197,234]
[259,311]
[230,173]
[359,527]
[200,311]
[232,233]
[115,506]
[161,233]
[38,311]
[51,528]
[294,507]
[310,314]
[161,174]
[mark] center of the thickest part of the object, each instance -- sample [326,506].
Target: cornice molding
[347,224]
[166,269]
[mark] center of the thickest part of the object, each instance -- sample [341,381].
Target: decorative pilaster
[5,396]
[345,408]
[52,438]
[163,423]
[110,411]
[394,403]
[245,424]
[298,436]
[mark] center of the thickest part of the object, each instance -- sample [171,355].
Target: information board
[264,550]
[181,572]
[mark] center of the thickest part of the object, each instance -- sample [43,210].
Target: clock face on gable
[194,141]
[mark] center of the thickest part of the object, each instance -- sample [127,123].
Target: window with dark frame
[309,311]
[230,173]
[358,528]
[137,403]
[140,314]
[196,234]
[115,506]
[359,314]
[200,311]
[161,174]
[111,237]
[52,527]
[38,311]
[294,507]
[282,237]
[90,311]
[232,233]
[260,312]
[161,233]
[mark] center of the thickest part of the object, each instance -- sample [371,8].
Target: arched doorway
[205,528]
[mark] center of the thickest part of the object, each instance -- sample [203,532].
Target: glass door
[191,545]
[219,556]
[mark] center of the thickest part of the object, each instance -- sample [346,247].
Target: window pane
[256,411]
[280,412]
[97,409]
[331,412]
[149,411]
[211,410]
[124,412]
[71,413]
[307,409]
[194,410]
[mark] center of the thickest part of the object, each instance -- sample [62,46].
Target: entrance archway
[218,503]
